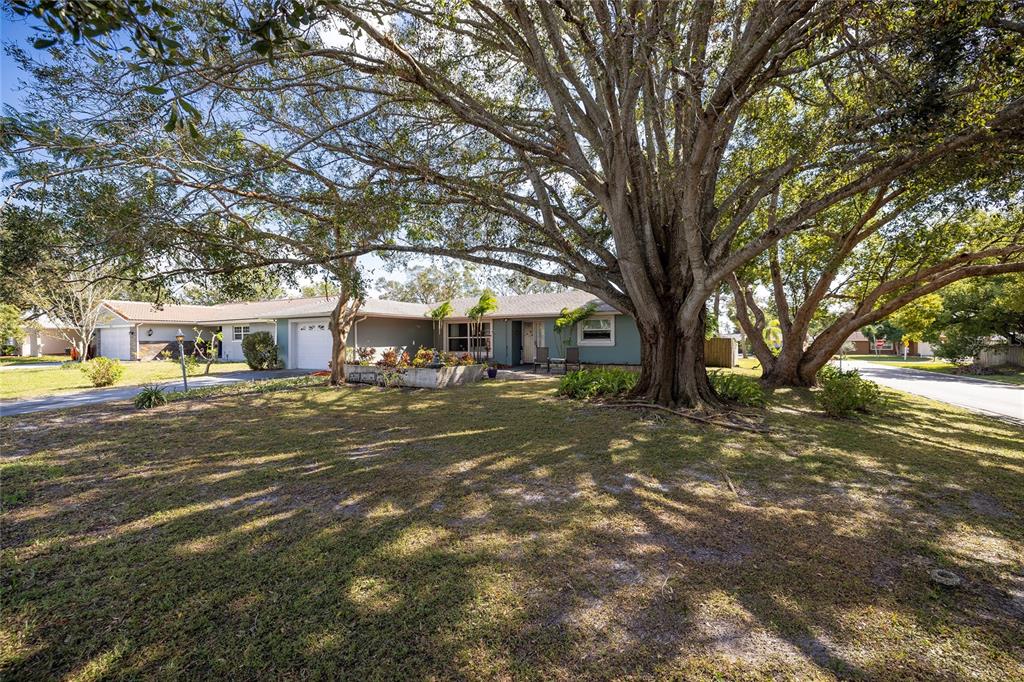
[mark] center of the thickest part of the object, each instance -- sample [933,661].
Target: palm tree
[488,303]
[439,315]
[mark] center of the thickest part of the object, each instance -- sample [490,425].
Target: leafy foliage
[960,346]
[260,351]
[151,395]
[393,359]
[586,384]
[102,371]
[845,392]
[487,303]
[567,319]
[11,326]
[737,388]
[365,354]
[431,284]
[982,307]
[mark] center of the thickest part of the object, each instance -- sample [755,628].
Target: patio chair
[542,358]
[572,357]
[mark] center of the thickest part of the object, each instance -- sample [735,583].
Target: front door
[529,344]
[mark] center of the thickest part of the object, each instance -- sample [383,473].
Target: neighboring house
[885,346]
[43,337]
[136,330]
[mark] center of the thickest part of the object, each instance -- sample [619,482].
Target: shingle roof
[141,311]
[534,305]
[528,305]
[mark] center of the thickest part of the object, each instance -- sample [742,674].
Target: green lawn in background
[34,382]
[1006,375]
[497,532]
[30,359]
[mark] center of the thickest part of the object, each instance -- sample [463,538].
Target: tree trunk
[672,370]
[792,369]
[341,321]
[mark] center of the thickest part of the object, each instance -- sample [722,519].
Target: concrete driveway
[978,395]
[105,395]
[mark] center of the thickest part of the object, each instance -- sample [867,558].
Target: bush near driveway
[260,351]
[102,371]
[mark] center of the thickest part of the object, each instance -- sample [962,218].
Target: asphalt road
[105,395]
[979,395]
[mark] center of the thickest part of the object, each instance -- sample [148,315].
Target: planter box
[416,377]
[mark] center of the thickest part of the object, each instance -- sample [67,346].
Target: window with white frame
[467,337]
[597,331]
[240,332]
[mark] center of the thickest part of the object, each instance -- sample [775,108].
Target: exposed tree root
[695,417]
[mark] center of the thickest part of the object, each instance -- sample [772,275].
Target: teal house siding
[508,335]
[507,338]
[626,350]
[282,342]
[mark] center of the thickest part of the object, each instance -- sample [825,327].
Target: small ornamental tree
[439,315]
[568,319]
[487,303]
[207,349]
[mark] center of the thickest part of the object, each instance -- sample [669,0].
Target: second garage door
[115,343]
[312,345]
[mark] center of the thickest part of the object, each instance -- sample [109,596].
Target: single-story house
[44,337]
[134,330]
[886,347]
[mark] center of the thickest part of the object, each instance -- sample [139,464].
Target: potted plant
[492,371]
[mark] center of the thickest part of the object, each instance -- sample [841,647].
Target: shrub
[166,355]
[393,359]
[260,351]
[585,384]
[737,388]
[424,357]
[467,359]
[365,355]
[151,395]
[102,371]
[843,393]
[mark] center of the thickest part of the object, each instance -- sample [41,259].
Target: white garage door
[115,343]
[312,345]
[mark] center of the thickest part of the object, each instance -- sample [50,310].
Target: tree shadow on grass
[494,531]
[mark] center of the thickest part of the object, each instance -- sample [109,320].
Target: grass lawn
[30,383]
[29,359]
[1007,375]
[495,531]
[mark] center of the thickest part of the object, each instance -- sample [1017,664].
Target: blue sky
[16,31]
